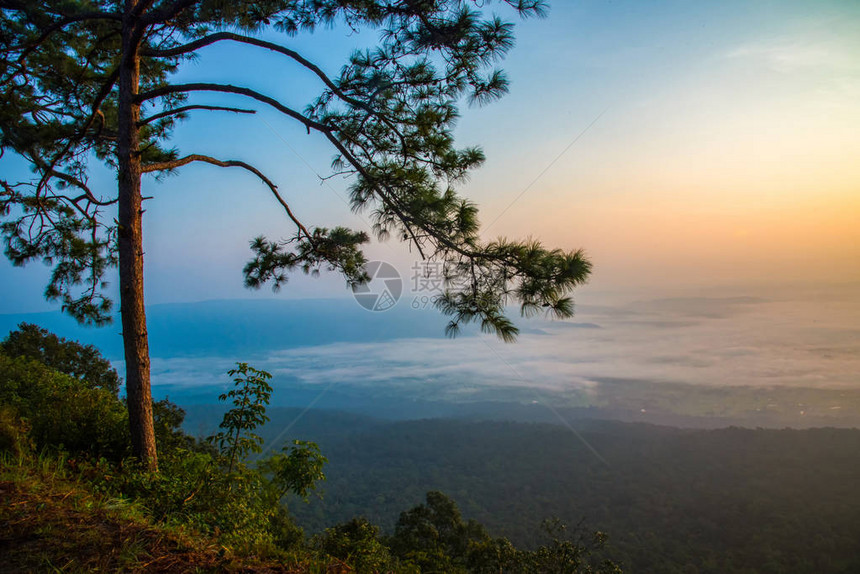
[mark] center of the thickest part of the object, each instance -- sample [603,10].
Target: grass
[50,522]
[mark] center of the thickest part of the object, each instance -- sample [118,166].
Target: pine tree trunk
[130,240]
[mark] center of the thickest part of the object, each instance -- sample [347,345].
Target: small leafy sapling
[250,396]
[296,469]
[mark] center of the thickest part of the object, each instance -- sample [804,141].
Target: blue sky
[723,153]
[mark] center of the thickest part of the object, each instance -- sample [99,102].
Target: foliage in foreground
[211,487]
[50,521]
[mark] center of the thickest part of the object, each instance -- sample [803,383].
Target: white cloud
[790,54]
[722,342]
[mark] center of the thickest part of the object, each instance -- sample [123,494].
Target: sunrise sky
[682,144]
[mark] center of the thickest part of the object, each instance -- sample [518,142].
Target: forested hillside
[715,501]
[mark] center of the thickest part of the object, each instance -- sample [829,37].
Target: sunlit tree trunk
[130,239]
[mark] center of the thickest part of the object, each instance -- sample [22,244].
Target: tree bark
[130,243]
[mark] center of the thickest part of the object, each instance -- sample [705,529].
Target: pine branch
[59,25]
[141,7]
[173,164]
[76,139]
[166,13]
[50,173]
[220,36]
[230,89]
[29,47]
[184,109]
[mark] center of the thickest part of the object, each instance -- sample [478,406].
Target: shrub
[83,362]
[63,412]
[14,434]
[358,543]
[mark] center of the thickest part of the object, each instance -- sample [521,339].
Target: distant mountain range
[246,327]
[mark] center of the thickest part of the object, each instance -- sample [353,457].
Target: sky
[704,154]
[684,145]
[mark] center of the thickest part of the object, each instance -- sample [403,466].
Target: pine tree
[87,81]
